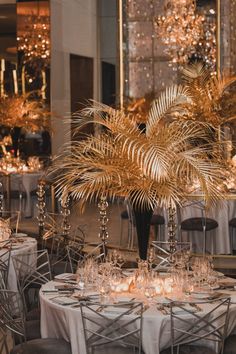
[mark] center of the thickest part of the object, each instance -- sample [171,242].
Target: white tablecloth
[29,245]
[58,321]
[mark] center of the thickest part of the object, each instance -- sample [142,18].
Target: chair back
[3,340]
[12,314]
[162,257]
[122,326]
[78,253]
[4,266]
[206,327]
[32,268]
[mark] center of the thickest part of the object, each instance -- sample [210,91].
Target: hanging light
[180,29]
[35,39]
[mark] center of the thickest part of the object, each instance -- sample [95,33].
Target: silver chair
[126,216]
[3,341]
[4,265]
[162,258]
[119,333]
[12,318]
[78,253]
[200,224]
[32,271]
[197,332]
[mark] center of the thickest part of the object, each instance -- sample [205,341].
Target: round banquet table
[23,244]
[64,321]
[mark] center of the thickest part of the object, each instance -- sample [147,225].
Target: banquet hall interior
[117,176]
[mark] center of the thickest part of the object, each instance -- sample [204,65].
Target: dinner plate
[16,247]
[115,309]
[65,276]
[63,300]
[19,234]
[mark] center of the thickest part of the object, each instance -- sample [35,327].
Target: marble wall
[73,31]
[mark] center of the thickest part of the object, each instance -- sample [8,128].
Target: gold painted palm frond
[21,111]
[211,99]
[171,102]
[149,169]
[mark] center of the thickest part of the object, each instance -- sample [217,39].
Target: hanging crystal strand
[172,228]
[41,205]
[103,234]
[1,199]
[65,203]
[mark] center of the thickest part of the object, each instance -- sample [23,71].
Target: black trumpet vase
[143,222]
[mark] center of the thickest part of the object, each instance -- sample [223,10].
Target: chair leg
[231,231]
[204,240]
[121,231]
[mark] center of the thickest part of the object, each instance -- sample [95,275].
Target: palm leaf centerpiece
[151,167]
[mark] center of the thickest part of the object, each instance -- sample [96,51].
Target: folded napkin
[66,276]
[63,300]
[187,307]
[115,309]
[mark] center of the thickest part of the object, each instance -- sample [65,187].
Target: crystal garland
[180,29]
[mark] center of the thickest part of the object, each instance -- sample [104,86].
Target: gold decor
[102,206]
[180,29]
[34,40]
[208,96]
[150,168]
[41,205]
[21,111]
[139,108]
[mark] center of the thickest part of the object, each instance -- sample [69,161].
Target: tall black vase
[143,222]
[15,135]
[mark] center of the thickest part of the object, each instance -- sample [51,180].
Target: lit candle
[44,85]
[2,83]
[2,64]
[23,80]
[15,82]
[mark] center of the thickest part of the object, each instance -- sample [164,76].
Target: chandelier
[35,40]
[180,29]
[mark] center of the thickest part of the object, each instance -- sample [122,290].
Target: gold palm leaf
[150,169]
[209,95]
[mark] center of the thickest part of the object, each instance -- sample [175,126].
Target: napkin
[63,300]
[66,276]
[178,311]
[115,309]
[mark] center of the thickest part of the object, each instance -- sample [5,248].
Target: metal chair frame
[131,224]
[190,327]
[36,273]
[102,330]
[164,256]
[77,255]
[12,316]
[200,205]
[3,340]
[13,319]
[5,264]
